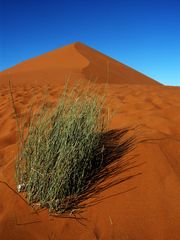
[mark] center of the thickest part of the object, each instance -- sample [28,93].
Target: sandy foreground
[146,207]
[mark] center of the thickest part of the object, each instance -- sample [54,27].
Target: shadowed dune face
[144,207]
[77,61]
[106,69]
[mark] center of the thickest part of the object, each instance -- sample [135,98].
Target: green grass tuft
[67,153]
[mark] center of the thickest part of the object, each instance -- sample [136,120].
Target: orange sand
[147,207]
[76,61]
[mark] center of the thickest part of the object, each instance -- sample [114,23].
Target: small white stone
[20,187]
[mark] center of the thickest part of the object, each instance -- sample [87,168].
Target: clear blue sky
[142,34]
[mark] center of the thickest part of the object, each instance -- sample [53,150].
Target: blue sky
[144,35]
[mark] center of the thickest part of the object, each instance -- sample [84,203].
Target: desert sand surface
[146,207]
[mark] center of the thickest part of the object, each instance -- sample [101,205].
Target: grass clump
[67,152]
[56,161]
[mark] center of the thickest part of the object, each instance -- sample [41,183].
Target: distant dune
[146,207]
[78,61]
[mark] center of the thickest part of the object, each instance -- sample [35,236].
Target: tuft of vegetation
[67,153]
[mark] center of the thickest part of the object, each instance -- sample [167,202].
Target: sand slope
[150,211]
[77,61]
[143,208]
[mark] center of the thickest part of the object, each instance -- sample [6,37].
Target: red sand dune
[147,207]
[77,60]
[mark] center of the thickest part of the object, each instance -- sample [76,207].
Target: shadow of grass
[106,170]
